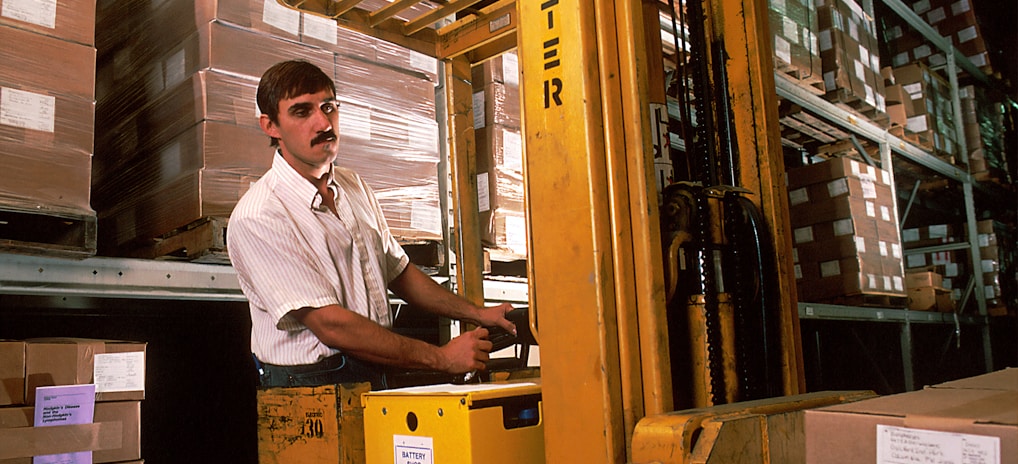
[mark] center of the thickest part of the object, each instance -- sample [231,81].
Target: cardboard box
[311,424]
[923,279]
[57,66]
[71,20]
[978,414]
[498,104]
[174,205]
[12,372]
[73,361]
[504,69]
[114,435]
[833,169]
[927,298]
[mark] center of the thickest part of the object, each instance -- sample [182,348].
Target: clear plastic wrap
[47,63]
[160,24]
[796,49]
[71,20]
[849,52]
[178,112]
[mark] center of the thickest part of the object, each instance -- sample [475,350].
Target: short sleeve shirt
[291,252]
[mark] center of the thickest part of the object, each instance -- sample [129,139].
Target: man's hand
[494,316]
[467,352]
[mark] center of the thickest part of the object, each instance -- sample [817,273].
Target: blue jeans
[335,369]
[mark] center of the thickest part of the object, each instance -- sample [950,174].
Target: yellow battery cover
[492,423]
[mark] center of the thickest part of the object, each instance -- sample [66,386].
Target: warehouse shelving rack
[889,146]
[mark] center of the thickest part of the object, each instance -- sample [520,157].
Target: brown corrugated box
[27,180]
[113,436]
[370,84]
[12,372]
[174,205]
[159,25]
[71,20]
[974,408]
[834,169]
[504,69]
[54,65]
[70,361]
[498,104]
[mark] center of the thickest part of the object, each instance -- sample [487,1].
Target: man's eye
[329,108]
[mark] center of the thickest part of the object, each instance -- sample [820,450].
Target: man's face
[307,129]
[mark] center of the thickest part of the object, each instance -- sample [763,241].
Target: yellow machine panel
[495,423]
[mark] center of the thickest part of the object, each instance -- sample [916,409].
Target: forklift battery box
[491,423]
[311,424]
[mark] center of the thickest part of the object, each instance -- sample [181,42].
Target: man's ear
[268,127]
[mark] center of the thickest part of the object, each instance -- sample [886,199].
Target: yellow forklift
[665,311]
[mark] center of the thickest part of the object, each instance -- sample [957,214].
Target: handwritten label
[117,372]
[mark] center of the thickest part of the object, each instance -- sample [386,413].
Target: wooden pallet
[852,103]
[202,241]
[58,234]
[807,79]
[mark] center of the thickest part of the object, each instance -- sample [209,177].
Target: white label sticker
[869,189]
[512,150]
[425,216]
[516,233]
[281,17]
[803,234]
[511,69]
[782,49]
[413,450]
[900,445]
[896,251]
[478,103]
[27,110]
[324,29]
[885,213]
[798,196]
[830,268]
[119,372]
[39,12]
[843,227]
[871,209]
[483,195]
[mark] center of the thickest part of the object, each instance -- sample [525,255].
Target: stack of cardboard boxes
[850,56]
[499,155]
[47,109]
[956,267]
[796,49]
[930,114]
[116,368]
[845,231]
[177,131]
[953,19]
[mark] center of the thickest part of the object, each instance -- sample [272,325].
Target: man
[314,257]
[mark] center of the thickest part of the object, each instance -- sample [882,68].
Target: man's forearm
[422,292]
[361,338]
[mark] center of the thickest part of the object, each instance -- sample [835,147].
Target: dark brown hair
[289,79]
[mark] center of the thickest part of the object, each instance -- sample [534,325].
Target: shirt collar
[299,186]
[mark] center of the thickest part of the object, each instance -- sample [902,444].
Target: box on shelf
[12,372]
[796,49]
[977,416]
[845,231]
[311,424]
[932,115]
[850,57]
[116,367]
[70,20]
[113,436]
[952,19]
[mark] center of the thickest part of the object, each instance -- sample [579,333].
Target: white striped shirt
[290,252]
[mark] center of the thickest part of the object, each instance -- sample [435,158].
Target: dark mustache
[324,137]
